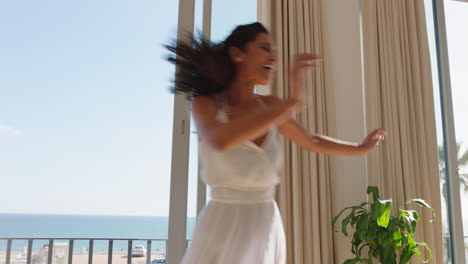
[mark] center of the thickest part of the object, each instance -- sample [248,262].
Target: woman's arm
[328,145]
[226,136]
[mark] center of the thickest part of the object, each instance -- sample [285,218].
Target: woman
[240,149]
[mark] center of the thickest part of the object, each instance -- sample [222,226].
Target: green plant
[386,237]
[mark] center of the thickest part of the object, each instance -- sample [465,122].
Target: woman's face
[257,61]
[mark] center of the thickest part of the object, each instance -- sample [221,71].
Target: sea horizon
[80,226]
[85,214]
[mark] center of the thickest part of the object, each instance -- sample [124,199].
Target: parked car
[139,251]
[160,258]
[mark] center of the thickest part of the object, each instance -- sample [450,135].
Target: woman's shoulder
[204,105]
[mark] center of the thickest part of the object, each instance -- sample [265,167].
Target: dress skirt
[233,233]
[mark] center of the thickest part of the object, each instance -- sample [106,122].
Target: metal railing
[110,250]
[71,242]
[448,252]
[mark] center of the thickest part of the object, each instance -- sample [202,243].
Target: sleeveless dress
[241,223]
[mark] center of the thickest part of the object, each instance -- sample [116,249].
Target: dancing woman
[239,145]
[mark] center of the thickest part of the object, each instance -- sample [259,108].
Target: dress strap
[260,101]
[222,114]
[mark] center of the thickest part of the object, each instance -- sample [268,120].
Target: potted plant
[386,237]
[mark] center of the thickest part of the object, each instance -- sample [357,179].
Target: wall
[342,65]
[343,76]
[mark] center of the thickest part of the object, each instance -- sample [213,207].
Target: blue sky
[85,112]
[456,19]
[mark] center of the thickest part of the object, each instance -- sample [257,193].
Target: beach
[81,258]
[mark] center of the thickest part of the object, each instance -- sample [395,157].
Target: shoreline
[82,258]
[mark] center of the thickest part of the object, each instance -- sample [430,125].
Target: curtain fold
[399,97]
[304,195]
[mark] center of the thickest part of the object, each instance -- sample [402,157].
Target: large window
[454,205]
[456,19]
[85,119]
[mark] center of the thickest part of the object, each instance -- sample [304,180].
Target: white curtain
[304,195]
[399,97]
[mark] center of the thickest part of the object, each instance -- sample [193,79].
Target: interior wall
[342,64]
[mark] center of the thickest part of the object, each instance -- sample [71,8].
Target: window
[456,19]
[454,205]
[85,119]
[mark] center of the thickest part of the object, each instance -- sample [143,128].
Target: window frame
[176,243]
[455,218]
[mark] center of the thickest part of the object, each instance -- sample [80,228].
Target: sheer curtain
[304,195]
[399,97]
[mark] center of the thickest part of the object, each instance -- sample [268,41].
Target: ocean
[86,226]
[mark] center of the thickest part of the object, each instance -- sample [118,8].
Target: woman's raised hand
[300,64]
[372,140]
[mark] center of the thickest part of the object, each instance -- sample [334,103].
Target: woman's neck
[240,93]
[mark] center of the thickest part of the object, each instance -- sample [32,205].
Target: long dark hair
[204,67]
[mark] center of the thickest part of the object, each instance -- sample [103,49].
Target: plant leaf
[351,261]
[406,255]
[380,237]
[420,202]
[397,237]
[338,216]
[335,219]
[360,249]
[411,242]
[370,236]
[428,249]
[364,203]
[375,192]
[363,223]
[389,255]
[412,217]
[384,217]
[423,203]
[345,221]
[357,260]
[418,253]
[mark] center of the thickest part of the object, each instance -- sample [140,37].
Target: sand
[82,258]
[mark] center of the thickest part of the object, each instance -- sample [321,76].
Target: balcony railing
[48,249]
[6,255]
[447,253]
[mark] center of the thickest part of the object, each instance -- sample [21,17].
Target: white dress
[241,223]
